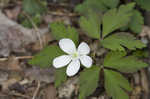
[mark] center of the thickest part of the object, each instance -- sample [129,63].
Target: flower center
[75,55]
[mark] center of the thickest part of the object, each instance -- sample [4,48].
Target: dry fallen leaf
[10,40]
[50,92]
[145,32]
[66,90]
[45,39]
[13,64]
[4,3]
[42,75]
[13,13]
[53,18]
[3,76]
[145,84]
[136,93]
[14,37]
[8,83]
[13,77]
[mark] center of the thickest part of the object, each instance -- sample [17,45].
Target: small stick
[36,29]
[19,57]
[36,91]
[20,95]
[60,4]
[63,14]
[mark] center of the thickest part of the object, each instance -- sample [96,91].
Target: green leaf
[136,22]
[144,4]
[60,76]
[59,31]
[88,81]
[96,6]
[115,19]
[33,6]
[116,85]
[46,56]
[110,3]
[119,60]
[91,25]
[120,40]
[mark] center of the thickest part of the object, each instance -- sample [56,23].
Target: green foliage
[27,23]
[116,85]
[46,56]
[141,53]
[34,6]
[60,76]
[91,25]
[59,31]
[115,19]
[120,40]
[123,63]
[96,6]
[88,81]
[136,22]
[144,4]
[110,3]
[90,5]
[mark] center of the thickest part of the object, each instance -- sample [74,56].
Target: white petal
[67,45]
[86,61]
[61,61]
[73,68]
[83,48]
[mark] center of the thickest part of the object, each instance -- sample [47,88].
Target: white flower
[74,57]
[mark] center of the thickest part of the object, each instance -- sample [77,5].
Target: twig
[63,14]
[20,95]
[37,90]
[60,4]
[23,82]
[19,57]
[36,29]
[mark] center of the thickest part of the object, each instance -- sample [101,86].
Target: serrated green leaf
[123,63]
[60,76]
[144,4]
[116,85]
[96,6]
[91,25]
[111,3]
[88,81]
[33,7]
[120,40]
[59,31]
[46,56]
[115,19]
[136,22]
